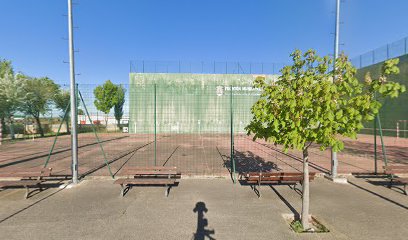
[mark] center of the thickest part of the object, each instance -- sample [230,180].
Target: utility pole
[74,134]
[334,161]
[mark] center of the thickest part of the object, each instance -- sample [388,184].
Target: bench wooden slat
[157,168]
[146,172]
[19,183]
[140,181]
[43,172]
[400,180]
[277,179]
[274,182]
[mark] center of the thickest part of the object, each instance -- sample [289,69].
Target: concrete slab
[94,210]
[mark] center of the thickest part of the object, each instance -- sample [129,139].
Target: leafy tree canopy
[119,102]
[306,106]
[105,96]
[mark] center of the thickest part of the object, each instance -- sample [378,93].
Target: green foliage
[39,94]
[297,226]
[6,68]
[306,106]
[62,99]
[119,102]
[12,93]
[105,96]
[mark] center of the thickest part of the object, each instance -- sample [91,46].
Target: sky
[111,33]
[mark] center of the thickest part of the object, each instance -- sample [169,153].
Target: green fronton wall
[393,109]
[191,103]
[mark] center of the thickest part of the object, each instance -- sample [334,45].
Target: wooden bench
[148,176]
[268,178]
[393,171]
[27,178]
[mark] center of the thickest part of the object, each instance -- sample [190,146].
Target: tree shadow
[395,154]
[292,209]
[201,231]
[249,162]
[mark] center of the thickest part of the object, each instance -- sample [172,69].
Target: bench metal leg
[167,191]
[390,183]
[122,191]
[27,192]
[405,189]
[257,190]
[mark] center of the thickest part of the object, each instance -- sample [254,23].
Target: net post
[155,127]
[232,138]
[382,141]
[375,144]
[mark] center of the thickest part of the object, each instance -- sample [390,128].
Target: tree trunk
[118,120]
[67,123]
[305,191]
[106,121]
[40,129]
[11,127]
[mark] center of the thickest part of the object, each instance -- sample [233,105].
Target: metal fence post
[232,138]
[375,145]
[155,127]
[382,141]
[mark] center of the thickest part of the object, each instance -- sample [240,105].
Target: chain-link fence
[195,122]
[391,50]
[205,67]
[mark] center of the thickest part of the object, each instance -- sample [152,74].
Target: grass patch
[317,227]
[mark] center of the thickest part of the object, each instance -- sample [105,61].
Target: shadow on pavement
[33,204]
[378,195]
[201,231]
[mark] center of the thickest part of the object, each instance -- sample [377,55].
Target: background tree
[62,100]
[39,94]
[306,106]
[119,102]
[105,97]
[11,94]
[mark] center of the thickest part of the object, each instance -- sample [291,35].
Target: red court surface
[193,154]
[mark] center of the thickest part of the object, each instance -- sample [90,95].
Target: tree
[39,94]
[307,106]
[119,102]
[62,100]
[105,97]
[11,94]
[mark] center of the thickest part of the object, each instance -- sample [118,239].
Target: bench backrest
[395,169]
[278,176]
[150,171]
[26,172]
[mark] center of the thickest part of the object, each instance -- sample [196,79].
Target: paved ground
[94,210]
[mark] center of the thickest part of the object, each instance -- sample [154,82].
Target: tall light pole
[73,97]
[334,161]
